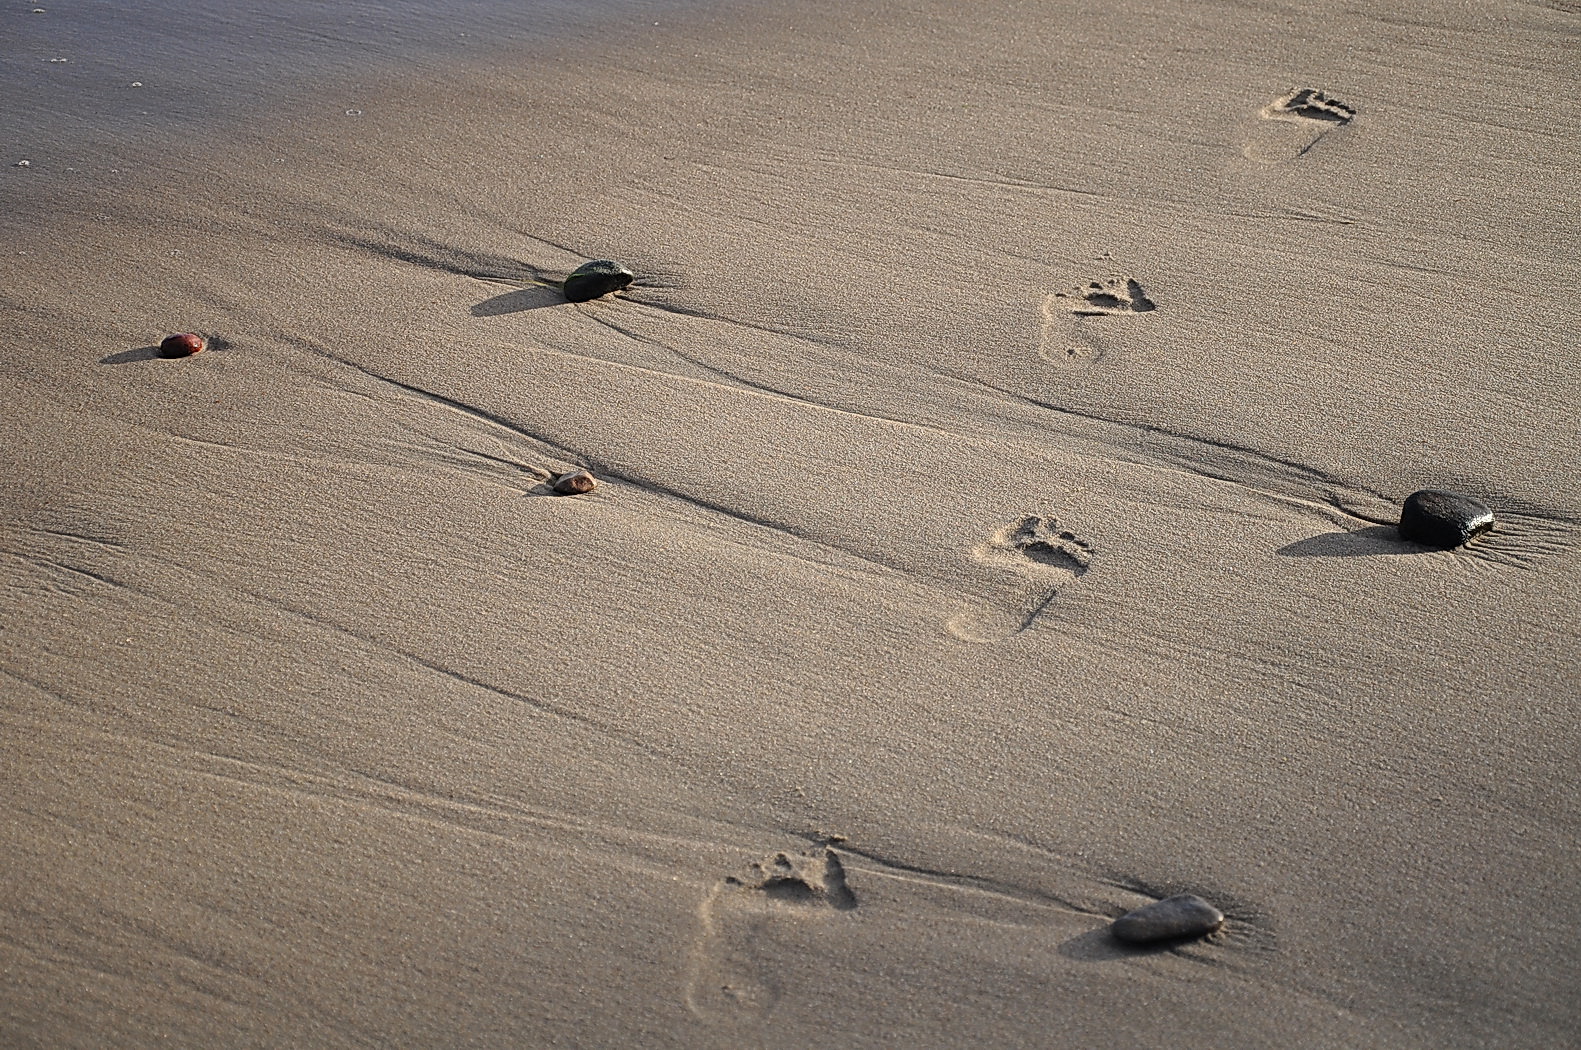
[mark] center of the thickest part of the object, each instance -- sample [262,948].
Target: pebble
[1443,519]
[1167,920]
[596,278]
[183,344]
[575,483]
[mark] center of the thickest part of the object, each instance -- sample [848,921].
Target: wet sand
[999,451]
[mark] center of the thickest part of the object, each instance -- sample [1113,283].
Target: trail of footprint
[1046,555]
[1065,339]
[1291,125]
[734,968]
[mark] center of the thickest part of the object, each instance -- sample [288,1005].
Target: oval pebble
[575,483]
[182,344]
[1186,915]
[1443,519]
[596,278]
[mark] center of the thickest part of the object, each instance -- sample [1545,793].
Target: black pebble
[596,278]
[1443,519]
[1168,920]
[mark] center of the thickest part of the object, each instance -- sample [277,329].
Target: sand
[940,601]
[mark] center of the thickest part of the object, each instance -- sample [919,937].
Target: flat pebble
[1167,920]
[1443,519]
[596,278]
[575,483]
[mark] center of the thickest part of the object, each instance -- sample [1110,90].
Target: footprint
[1046,555]
[1064,340]
[1116,295]
[736,972]
[1293,124]
[1307,104]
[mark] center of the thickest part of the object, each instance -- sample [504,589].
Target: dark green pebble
[1443,519]
[596,278]
[1170,919]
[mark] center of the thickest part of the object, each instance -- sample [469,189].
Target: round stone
[1168,920]
[183,344]
[575,483]
[1443,519]
[596,278]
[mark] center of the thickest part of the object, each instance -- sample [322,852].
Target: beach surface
[1000,450]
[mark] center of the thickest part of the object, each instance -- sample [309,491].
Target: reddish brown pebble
[184,344]
[575,483]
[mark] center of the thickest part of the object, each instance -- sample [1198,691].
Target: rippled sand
[999,452]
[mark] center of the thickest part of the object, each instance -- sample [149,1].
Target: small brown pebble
[575,483]
[184,344]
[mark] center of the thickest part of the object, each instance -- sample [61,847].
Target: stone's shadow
[126,357]
[151,352]
[1101,946]
[533,297]
[1380,539]
[546,488]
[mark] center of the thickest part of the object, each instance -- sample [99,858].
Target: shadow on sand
[1380,539]
[126,357]
[151,352]
[533,297]
[1101,946]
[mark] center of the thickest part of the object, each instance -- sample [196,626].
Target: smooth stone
[575,483]
[596,278]
[1443,519]
[1168,920]
[182,344]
